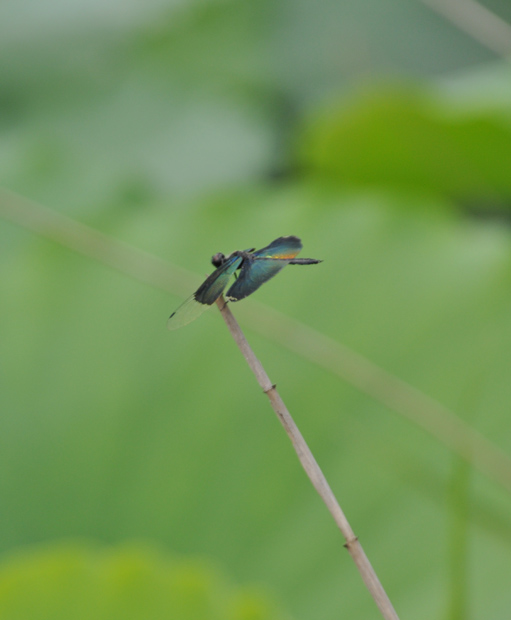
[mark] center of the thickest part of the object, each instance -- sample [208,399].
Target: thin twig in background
[430,415]
[477,21]
[311,467]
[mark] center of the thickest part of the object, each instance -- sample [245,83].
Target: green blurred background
[142,472]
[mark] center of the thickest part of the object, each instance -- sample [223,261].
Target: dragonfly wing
[263,265]
[206,295]
[283,247]
[254,272]
[187,312]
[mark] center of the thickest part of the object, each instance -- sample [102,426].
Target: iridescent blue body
[256,267]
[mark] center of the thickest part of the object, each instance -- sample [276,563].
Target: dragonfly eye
[218,259]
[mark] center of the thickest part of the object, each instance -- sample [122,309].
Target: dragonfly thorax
[218,259]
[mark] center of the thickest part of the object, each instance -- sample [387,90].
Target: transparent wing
[206,295]
[187,312]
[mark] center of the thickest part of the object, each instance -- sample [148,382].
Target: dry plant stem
[311,467]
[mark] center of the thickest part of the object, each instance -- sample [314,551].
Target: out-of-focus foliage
[107,100]
[417,139]
[78,581]
[195,127]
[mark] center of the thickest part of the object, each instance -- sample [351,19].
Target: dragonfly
[255,268]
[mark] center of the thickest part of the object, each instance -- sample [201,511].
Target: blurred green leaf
[407,138]
[81,582]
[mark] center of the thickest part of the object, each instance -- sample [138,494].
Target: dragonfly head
[218,259]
